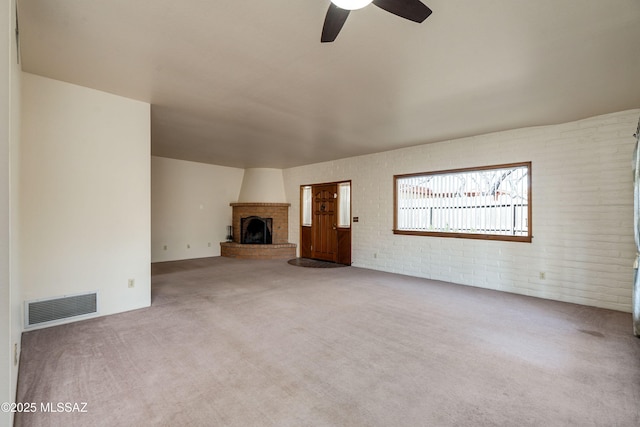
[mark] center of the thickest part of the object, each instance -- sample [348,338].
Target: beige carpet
[232,342]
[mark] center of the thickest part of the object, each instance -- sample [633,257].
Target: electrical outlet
[132,283]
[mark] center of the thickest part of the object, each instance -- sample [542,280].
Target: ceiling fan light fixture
[351,4]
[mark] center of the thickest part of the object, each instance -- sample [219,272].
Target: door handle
[334,227]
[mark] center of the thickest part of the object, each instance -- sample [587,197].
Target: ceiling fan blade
[413,10]
[333,23]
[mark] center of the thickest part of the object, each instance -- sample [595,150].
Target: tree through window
[492,202]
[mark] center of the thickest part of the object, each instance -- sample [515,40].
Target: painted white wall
[16,281]
[85,194]
[262,185]
[10,292]
[190,208]
[582,212]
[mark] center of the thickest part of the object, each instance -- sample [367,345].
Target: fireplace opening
[256,230]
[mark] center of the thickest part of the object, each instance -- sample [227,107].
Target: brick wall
[278,211]
[582,212]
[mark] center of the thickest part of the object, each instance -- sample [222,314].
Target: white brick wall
[582,212]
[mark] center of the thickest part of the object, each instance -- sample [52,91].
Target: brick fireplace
[275,217]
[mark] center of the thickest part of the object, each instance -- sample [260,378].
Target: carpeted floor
[262,343]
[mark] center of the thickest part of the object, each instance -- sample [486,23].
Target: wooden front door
[324,229]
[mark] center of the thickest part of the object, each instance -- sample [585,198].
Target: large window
[492,202]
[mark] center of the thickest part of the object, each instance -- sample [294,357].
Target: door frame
[343,234]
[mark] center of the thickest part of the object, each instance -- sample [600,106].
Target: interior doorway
[325,222]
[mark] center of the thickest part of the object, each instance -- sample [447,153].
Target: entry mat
[313,263]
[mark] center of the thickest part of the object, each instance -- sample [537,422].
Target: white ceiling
[248,83]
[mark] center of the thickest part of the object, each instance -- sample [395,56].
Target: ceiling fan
[413,10]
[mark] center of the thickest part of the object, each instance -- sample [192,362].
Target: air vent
[54,310]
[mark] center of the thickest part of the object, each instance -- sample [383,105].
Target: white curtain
[344,204]
[306,205]
[636,226]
